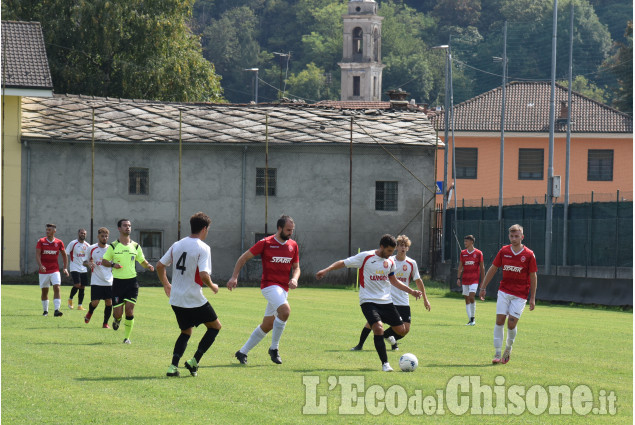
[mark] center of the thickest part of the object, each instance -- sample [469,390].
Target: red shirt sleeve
[39,244]
[258,247]
[533,266]
[498,261]
[296,256]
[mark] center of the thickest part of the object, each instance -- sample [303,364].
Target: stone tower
[361,59]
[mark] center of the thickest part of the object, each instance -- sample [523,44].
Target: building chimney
[398,99]
[564,110]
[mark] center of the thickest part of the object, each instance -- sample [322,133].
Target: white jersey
[101,275]
[406,271]
[190,256]
[78,253]
[374,286]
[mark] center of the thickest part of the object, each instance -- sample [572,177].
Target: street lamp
[448,84]
[280,58]
[256,82]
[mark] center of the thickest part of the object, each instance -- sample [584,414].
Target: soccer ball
[408,362]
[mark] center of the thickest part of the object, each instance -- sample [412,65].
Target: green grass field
[62,371]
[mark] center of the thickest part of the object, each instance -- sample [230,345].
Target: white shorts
[510,305]
[275,296]
[49,279]
[469,288]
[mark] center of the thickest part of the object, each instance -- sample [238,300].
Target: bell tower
[361,59]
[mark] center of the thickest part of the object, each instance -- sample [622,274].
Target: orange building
[601,148]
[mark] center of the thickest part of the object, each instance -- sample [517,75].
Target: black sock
[380,346]
[107,313]
[362,338]
[389,332]
[80,298]
[179,348]
[73,292]
[206,342]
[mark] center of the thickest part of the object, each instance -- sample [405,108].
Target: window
[356,86]
[150,242]
[138,181]
[531,164]
[466,163]
[386,196]
[600,166]
[358,44]
[260,181]
[374,86]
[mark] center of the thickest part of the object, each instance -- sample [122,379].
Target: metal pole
[565,222]
[453,144]
[92,180]
[502,147]
[552,112]
[350,199]
[445,156]
[178,232]
[266,169]
[256,96]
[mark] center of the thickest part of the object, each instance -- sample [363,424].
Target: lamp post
[281,56]
[503,60]
[256,82]
[445,140]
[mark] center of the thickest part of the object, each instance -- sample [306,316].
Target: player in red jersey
[471,271]
[279,255]
[519,280]
[47,251]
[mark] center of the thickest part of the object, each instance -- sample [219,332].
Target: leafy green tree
[132,49]
[621,65]
[583,86]
[309,84]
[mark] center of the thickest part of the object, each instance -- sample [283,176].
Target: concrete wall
[312,187]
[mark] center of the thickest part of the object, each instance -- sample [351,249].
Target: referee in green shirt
[121,256]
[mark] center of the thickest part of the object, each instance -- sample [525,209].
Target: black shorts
[386,313]
[98,292]
[191,317]
[124,290]
[404,312]
[80,278]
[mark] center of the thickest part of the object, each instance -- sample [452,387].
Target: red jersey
[277,259]
[516,269]
[471,266]
[50,251]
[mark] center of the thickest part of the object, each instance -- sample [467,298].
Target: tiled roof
[24,62]
[349,104]
[527,110]
[68,118]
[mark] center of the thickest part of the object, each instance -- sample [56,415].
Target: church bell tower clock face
[361,52]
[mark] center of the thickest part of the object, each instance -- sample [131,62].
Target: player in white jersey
[406,271]
[100,278]
[376,275]
[192,269]
[78,253]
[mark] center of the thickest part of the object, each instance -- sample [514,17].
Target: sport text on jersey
[283,260]
[515,269]
[48,251]
[469,263]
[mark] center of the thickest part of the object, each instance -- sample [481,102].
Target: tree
[132,49]
[586,88]
[621,65]
[309,84]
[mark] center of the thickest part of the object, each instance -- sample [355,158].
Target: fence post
[617,230]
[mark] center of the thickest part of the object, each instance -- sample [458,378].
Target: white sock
[57,303]
[278,327]
[256,336]
[511,335]
[473,305]
[45,305]
[468,310]
[499,333]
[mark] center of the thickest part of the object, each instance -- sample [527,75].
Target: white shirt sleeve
[166,260]
[205,260]
[356,260]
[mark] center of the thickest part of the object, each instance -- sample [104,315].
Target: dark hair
[81,230]
[51,225]
[121,221]
[199,221]
[388,240]
[470,237]
[283,220]
[103,230]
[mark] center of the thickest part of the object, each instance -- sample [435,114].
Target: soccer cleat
[506,355]
[192,366]
[472,323]
[46,313]
[115,323]
[70,303]
[79,307]
[275,357]
[242,358]
[393,343]
[173,371]
[357,348]
[126,341]
[386,367]
[496,359]
[58,313]
[105,326]
[87,318]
